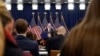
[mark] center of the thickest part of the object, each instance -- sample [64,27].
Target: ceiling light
[47,6]
[82,0]
[34,6]
[71,1]
[71,6]
[58,6]
[20,6]
[82,6]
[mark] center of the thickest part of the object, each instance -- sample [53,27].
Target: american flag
[57,23]
[34,29]
[51,21]
[39,23]
[44,22]
[62,22]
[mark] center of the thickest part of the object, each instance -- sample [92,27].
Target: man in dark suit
[24,43]
[49,28]
[56,42]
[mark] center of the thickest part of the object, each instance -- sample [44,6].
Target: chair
[54,52]
[27,53]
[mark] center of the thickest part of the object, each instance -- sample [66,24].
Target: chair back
[55,53]
[27,53]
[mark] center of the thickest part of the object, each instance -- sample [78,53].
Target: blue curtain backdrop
[70,17]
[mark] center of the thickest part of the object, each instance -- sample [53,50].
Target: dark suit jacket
[46,30]
[11,47]
[12,50]
[55,43]
[28,45]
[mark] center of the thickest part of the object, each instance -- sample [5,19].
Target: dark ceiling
[43,1]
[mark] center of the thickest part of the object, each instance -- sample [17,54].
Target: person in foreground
[2,40]
[24,43]
[11,47]
[84,39]
[56,42]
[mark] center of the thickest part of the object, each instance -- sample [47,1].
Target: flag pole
[57,20]
[56,14]
[44,18]
[52,20]
[45,15]
[33,17]
[40,20]
[62,18]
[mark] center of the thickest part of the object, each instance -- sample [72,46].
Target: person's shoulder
[51,39]
[20,37]
[23,39]
[33,42]
[56,38]
[59,36]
